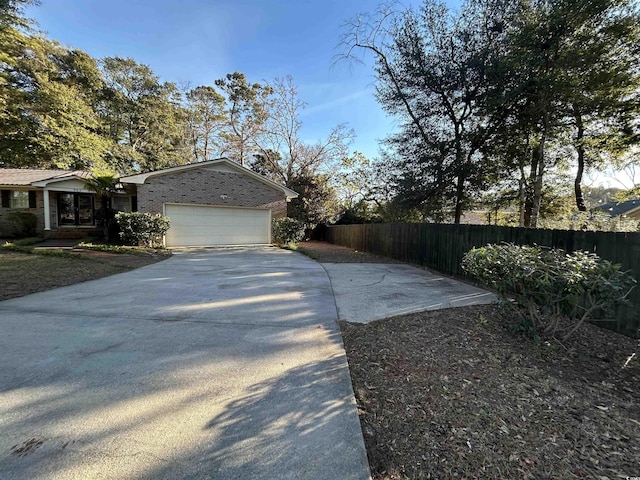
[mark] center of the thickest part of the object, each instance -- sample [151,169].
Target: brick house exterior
[209,186]
[62,203]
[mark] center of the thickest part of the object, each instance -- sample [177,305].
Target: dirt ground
[325,252]
[460,393]
[24,273]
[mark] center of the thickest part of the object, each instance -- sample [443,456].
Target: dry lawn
[24,273]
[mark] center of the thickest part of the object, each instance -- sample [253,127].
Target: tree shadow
[300,425]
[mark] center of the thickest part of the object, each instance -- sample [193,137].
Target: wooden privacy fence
[442,246]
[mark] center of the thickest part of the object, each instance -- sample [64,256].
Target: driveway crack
[375,283]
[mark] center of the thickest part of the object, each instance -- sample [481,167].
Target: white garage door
[202,225]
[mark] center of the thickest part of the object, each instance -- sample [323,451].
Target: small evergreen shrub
[25,224]
[553,291]
[142,228]
[287,230]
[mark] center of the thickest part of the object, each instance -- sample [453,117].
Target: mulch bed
[459,393]
[325,252]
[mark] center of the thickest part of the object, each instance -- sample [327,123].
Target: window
[18,199]
[121,204]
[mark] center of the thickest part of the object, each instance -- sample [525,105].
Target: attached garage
[217,202]
[205,225]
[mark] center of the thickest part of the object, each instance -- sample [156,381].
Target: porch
[69,208]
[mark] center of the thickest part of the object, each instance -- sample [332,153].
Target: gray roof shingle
[26,176]
[619,208]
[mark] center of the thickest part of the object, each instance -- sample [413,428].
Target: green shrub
[287,230]
[25,224]
[554,291]
[24,242]
[110,248]
[142,228]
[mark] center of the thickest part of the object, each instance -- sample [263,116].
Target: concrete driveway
[219,363]
[371,291]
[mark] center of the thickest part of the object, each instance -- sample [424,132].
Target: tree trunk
[537,186]
[528,202]
[522,198]
[577,186]
[522,186]
[459,199]
[104,205]
[461,167]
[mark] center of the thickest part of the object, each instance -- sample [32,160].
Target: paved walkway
[57,243]
[221,363]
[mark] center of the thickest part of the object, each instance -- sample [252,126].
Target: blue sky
[199,41]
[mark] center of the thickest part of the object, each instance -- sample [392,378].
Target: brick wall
[206,186]
[6,227]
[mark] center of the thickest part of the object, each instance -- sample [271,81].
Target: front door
[75,209]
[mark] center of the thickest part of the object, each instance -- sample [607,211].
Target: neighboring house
[630,208]
[217,202]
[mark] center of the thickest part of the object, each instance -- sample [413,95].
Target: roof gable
[220,165]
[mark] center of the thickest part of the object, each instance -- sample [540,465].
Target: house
[630,209]
[216,202]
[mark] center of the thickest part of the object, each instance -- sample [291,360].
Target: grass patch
[29,250]
[50,252]
[295,247]
[120,249]
[22,244]
[26,270]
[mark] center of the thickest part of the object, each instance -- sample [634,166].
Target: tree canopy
[496,102]
[62,108]
[500,95]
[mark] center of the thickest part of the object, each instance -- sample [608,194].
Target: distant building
[630,208]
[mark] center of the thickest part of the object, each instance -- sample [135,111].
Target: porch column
[47,210]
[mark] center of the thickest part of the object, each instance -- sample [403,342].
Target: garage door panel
[193,225]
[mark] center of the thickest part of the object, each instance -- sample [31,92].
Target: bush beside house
[142,228]
[25,224]
[287,230]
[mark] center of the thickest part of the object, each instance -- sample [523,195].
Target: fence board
[441,247]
